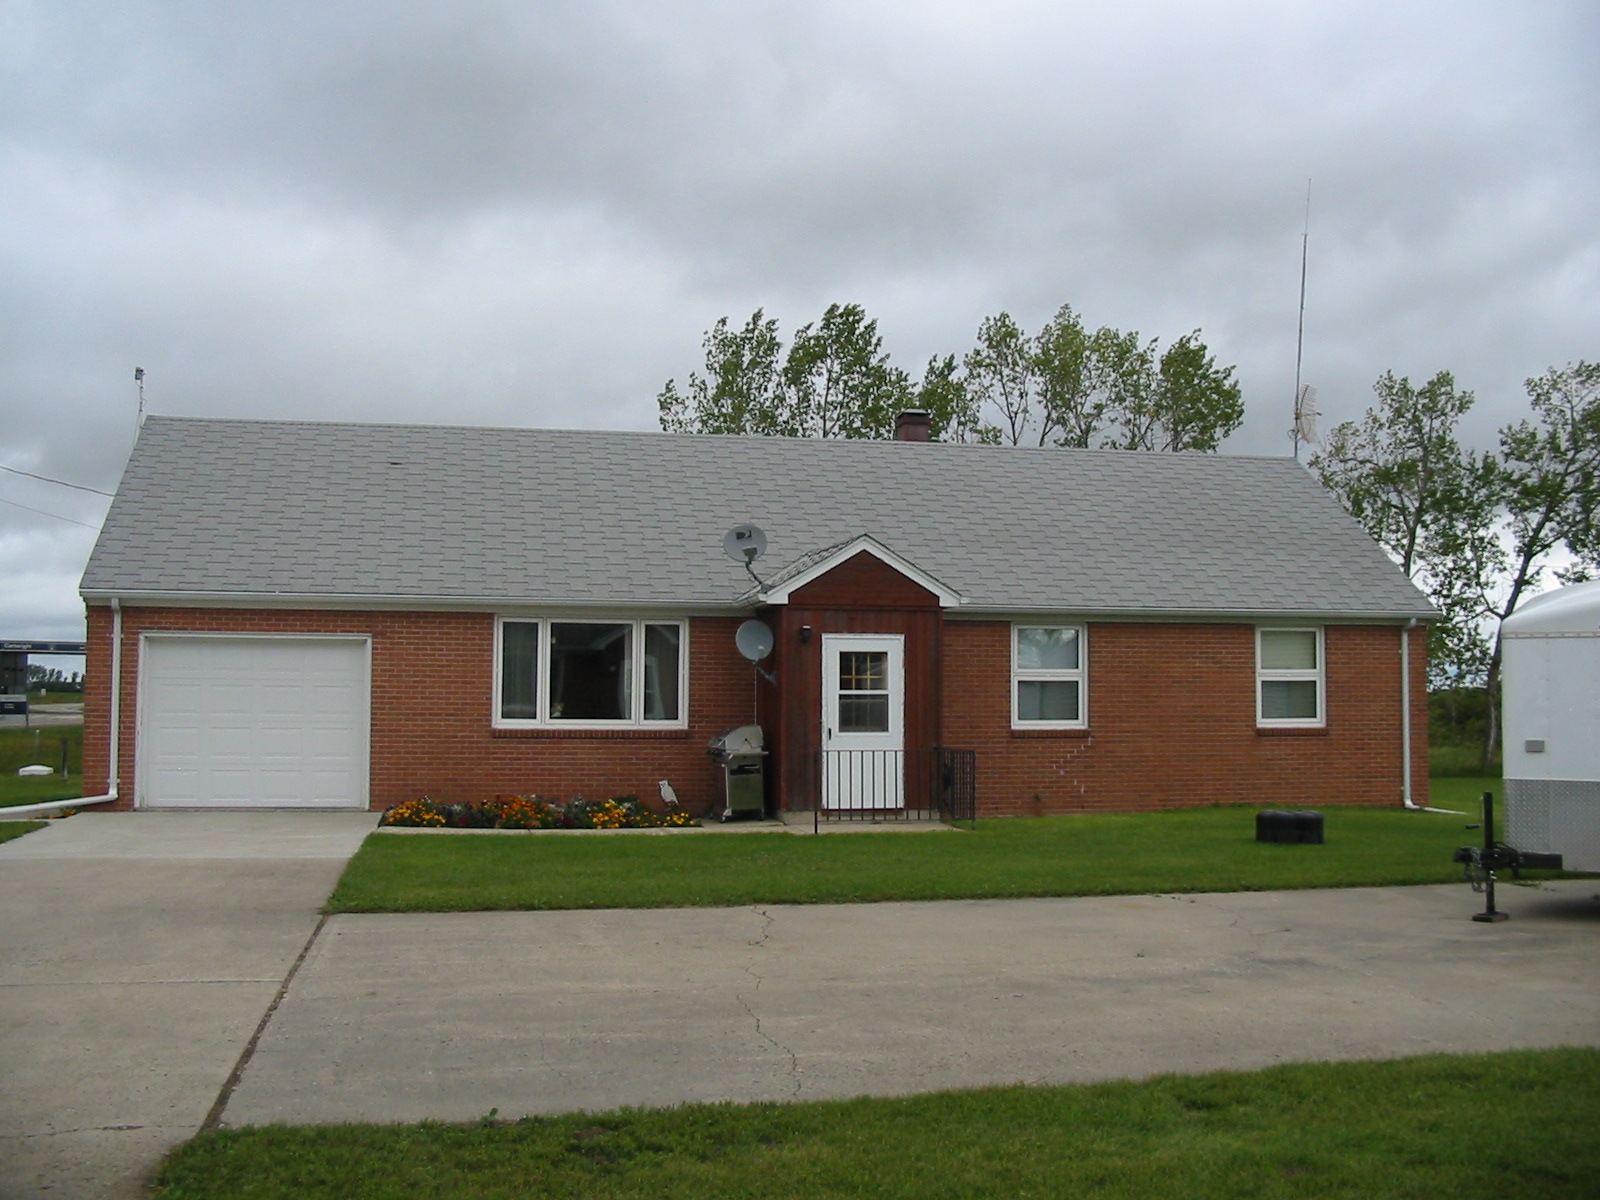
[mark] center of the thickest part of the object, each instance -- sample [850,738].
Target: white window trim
[1079,674]
[636,666]
[1296,674]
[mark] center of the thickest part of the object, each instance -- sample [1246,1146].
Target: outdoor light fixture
[805,634]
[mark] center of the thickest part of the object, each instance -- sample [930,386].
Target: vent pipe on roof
[913,425]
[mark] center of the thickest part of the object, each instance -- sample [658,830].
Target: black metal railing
[878,786]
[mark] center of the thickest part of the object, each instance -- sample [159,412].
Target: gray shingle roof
[544,516]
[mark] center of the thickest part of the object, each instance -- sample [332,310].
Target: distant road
[44,716]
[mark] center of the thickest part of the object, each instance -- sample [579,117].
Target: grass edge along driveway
[1471,1127]
[15,829]
[1190,850]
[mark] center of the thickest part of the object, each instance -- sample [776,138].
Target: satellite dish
[744,543]
[1305,414]
[754,640]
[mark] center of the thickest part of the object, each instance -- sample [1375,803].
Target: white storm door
[253,722]
[863,720]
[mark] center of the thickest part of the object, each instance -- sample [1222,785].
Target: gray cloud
[528,214]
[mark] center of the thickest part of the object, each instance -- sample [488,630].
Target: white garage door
[270,722]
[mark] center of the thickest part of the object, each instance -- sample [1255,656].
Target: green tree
[1402,473]
[1197,402]
[1476,530]
[1064,358]
[1124,370]
[951,408]
[740,391]
[1002,372]
[1064,386]
[1397,468]
[834,380]
[837,380]
[1549,473]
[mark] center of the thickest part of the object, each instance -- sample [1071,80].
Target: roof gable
[812,569]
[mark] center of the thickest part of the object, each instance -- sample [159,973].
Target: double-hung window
[1048,681]
[1289,677]
[594,673]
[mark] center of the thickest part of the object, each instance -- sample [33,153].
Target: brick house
[340,615]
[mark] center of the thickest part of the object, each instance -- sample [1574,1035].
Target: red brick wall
[1172,723]
[432,690]
[1171,715]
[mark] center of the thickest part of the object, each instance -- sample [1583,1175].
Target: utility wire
[42,513]
[80,487]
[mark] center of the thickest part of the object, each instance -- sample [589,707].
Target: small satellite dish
[754,640]
[1305,414]
[744,543]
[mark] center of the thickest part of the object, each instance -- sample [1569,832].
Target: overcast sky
[491,212]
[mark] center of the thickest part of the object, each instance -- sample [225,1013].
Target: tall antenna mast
[1304,414]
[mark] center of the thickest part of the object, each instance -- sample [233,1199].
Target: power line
[42,512]
[80,487]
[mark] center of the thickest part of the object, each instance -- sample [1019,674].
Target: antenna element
[1302,401]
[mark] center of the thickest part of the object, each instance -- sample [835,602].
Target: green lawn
[1195,850]
[1476,1127]
[20,747]
[37,698]
[1466,792]
[15,829]
[1446,759]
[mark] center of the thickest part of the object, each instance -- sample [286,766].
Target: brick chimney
[913,425]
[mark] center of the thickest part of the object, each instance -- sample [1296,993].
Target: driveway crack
[214,1117]
[750,970]
[49,1133]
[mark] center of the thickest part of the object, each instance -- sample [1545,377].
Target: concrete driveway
[142,953]
[398,1018]
[138,954]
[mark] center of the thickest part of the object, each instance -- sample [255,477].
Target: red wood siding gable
[863,581]
[858,564]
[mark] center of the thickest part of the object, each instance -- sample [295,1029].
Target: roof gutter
[115,733]
[743,603]
[400,601]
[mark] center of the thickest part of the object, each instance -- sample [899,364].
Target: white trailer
[1551,707]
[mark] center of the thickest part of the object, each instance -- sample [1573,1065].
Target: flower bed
[534,812]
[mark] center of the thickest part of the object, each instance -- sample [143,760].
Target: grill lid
[741,739]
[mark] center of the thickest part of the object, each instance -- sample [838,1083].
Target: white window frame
[635,719]
[1078,675]
[1318,675]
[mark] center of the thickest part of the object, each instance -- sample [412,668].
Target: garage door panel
[253,722]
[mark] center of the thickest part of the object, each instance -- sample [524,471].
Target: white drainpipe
[1405,725]
[116,731]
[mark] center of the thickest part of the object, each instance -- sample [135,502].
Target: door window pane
[864,714]
[1047,700]
[863,671]
[589,671]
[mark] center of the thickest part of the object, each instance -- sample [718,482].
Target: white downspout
[1405,725]
[115,732]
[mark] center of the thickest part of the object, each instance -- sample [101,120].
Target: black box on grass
[1286,825]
